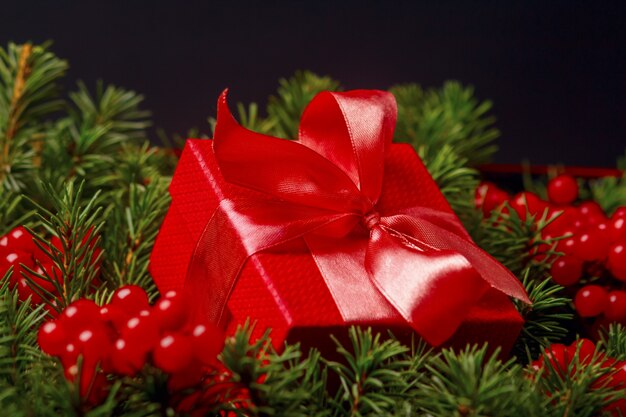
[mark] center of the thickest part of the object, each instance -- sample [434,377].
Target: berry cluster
[561,361]
[126,334]
[594,245]
[19,250]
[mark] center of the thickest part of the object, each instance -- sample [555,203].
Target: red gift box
[283,288]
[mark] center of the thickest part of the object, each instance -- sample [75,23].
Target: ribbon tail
[433,290]
[436,232]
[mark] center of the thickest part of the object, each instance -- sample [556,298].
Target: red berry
[113,315]
[489,197]
[207,342]
[562,218]
[566,270]
[170,312]
[567,245]
[52,338]
[617,260]
[593,244]
[586,351]
[15,258]
[591,213]
[562,189]
[616,307]
[79,315]
[141,332]
[20,239]
[93,343]
[173,353]
[127,359]
[620,212]
[617,228]
[131,298]
[591,300]
[170,294]
[69,356]
[556,356]
[526,202]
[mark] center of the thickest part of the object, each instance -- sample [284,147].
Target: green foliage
[455,179]
[136,223]
[472,382]
[76,261]
[449,116]
[375,374]
[544,319]
[581,389]
[294,94]
[609,192]
[107,225]
[614,341]
[28,93]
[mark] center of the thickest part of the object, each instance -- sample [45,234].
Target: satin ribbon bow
[324,188]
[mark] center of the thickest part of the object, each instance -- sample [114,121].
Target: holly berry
[489,197]
[585,348]
[591,213]
[80,314]
[617,228]
[207,341]
[170,312]
[616,307]
[591,300]
[127,359]
[527,203]
[52,337]
[620,212]
[563,189]
[93,343]
[593,244]
[131,298]
[173,353]
[141,332]
[566,270]
[617,260]
[113,315]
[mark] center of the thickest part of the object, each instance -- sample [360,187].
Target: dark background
[555,70]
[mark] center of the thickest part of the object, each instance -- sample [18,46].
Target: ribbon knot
[371,219]
[421,265]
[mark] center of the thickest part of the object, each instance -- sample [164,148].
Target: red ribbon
[324,188]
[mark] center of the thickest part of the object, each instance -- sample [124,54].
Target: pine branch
[18,336]
[609,192]
[450,116]
[455,179]
[375,374]
[76,262]
[131,232]
[579,390]
[544,319]
[614,341]
[472,382]
[294,94]
[28,92]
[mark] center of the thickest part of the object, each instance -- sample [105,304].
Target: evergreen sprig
[28,93]
[448,116]
[76,263]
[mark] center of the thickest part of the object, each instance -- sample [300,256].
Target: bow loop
[353,130]
[283,169]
